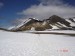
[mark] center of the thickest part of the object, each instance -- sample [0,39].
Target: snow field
[27,44]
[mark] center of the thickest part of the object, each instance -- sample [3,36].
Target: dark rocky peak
[55,18]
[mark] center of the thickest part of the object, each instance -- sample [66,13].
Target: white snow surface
[28,44]
[54,31]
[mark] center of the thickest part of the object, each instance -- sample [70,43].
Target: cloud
[48,8]
[51,2]
[1,4]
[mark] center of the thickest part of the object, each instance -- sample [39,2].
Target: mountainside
[54,22]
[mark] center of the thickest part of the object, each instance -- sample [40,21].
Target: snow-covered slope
[71,23]
[27,44]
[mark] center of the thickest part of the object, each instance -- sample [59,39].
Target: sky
[10,10]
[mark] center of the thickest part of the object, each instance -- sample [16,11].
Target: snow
[44,23]
[62,24]
[35,19]
[71,23]
[11,27]
[28,44]
[73,18]
[32,29]
[55,31]
[54,27]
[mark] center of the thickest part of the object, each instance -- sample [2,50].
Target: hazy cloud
[51,2]
[1,4]
[49,7]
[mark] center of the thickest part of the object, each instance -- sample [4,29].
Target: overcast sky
[11,10]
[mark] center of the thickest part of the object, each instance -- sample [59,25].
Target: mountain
[57,21]
[54,22]
[29,24]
